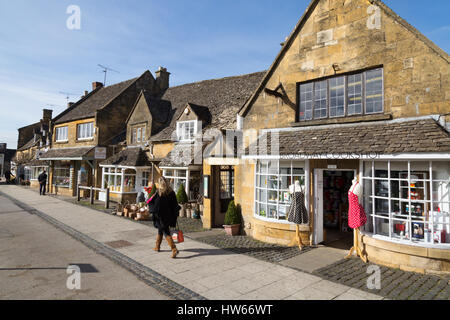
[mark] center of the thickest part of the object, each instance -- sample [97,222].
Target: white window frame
[392,217]
[280,164]
[181,130]
[85,131]
[118,172]
[62,134]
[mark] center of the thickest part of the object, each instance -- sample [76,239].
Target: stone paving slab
[396,284]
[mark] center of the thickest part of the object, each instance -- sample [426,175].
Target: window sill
[85,139]
[342,120]
[407,243]
[62,141]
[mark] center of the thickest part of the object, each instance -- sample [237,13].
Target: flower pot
[232,230]
[183,211]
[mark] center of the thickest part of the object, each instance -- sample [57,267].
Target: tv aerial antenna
[68,95]
[105,71]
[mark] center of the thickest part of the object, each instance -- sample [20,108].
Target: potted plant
[182,200]
[232,220]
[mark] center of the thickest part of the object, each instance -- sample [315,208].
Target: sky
[40,57]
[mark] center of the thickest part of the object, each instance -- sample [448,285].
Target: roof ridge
[216,79]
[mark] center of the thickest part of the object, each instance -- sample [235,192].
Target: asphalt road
[34,257]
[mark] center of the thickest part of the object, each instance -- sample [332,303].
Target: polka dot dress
[356,214]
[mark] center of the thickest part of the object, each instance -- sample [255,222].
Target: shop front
[405,192]
[126,174]
[33,169]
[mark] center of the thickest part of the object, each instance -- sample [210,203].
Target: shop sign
[100,153]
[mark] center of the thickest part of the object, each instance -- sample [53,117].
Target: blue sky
[194,39]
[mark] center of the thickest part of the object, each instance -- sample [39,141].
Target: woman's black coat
[165,210]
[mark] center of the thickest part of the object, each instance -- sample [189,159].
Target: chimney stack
[47,115]
[96,85]
[162,78]
[69,104]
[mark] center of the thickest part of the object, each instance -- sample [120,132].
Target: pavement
[36,255]
[203,269]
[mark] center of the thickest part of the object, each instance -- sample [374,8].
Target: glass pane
[337,97]
[368,169]
[306,101]
[273,182]
[374,91]
[273,196]
[261,210]
[354,94]
[382,226]
[272,211]
[320,99]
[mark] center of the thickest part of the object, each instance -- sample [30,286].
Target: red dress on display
[356,214]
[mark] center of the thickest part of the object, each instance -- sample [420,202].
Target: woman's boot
[158,243]
[172,246]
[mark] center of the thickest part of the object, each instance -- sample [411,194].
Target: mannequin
[293,189]
[356,189]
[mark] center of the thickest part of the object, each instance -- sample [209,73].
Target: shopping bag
[177,235]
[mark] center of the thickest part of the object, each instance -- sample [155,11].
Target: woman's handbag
[177,235]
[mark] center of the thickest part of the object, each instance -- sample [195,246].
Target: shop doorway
[331,207]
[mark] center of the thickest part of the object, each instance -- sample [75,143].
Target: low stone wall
[405,257]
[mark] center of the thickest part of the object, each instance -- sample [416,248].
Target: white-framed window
[176,177]
[145,178]
[138,134]
[61,134]
[114,176]
[346,95]
[408,201]
[272,195]
[36,171]
[186,130]
[85,131]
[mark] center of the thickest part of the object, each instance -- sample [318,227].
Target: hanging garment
[297,211]
[356,214]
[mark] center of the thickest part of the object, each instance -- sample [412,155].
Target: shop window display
[408,200]
[272,187]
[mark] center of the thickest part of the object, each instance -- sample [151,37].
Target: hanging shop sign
[100,153]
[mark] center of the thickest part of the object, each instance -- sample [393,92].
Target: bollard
[92,196]
[78,194]
[107,199]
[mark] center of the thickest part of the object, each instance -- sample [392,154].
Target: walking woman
[165,210]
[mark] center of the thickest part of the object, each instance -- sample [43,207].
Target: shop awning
[402,136]
[86,153]
[129,157]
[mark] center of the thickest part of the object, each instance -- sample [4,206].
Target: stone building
[355,92]
[89,130]
[33,140]
[162,133]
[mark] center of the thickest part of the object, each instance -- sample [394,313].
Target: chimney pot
[86,93]
[96,85]
[70,104]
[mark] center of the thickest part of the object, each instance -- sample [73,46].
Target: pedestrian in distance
[8,176]
[42,183]
[165,210]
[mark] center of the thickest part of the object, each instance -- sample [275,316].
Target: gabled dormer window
[186,130]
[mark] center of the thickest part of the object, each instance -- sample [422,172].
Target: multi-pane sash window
[85,131]
[347,95]
[138,135]
[186,130]
[61,133]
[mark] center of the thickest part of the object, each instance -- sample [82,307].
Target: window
[226,183]
[61,133]
[112,179]
[337,97]
[176,177]
[36,171]
[374,91]
[306,101]
[273,179]
[145,178]
[186,130]
[61,176]
[85,131]
[408,201]
[138,135]
[348,95]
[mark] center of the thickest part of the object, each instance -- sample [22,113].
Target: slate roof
[37,163]
[387,137]
[68,153]
[29,144]
[223,97]
[160,109]
[129,157]
[95,100]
